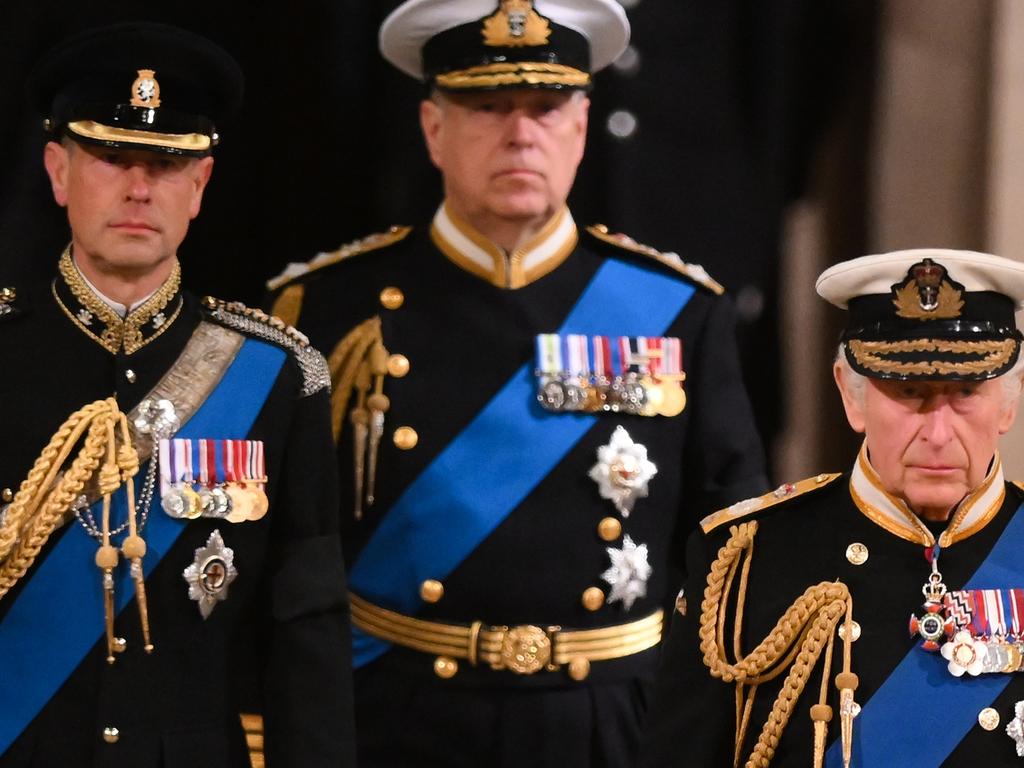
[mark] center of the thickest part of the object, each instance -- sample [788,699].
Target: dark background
[726,98]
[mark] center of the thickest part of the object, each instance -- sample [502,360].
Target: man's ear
[56,160]
[201,170]
[432,124]
[1009,414]
[853,401]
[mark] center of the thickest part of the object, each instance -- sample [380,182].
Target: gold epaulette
[8,295]
[694,272]
[255,322]
[783,493]
[363,245]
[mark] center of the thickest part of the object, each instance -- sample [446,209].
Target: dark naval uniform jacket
[456,320]
[285,610]
[847,529]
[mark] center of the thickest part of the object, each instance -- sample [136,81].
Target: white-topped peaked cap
[478,44]
[877,273]
[928,313]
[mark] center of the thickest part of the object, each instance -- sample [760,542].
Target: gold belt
[524,649]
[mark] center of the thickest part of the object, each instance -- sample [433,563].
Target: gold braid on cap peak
[796,643]
[993,354]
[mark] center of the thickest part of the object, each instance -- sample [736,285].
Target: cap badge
[515,24]
[927,293]
[146,90]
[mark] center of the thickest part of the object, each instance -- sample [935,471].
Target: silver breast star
[1015,728]
[628,573]
[210,574]
[622,471]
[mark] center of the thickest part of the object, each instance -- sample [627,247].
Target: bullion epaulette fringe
[327,258]
[694,272]
[255,322]
[784,492]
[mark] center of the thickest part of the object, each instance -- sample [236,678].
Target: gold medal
[655,396]
[241,504]
[260,503]
[673,399]
[194,504]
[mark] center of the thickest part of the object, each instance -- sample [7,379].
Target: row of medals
[233,502]
[641,395]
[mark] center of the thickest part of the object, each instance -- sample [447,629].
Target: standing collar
[473,252]
[111,325]
[892,513]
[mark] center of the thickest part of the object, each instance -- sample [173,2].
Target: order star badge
[622,471]
[1015,728]
[628,573]
[210,574]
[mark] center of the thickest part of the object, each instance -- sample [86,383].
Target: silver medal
[210,574]
[175,503]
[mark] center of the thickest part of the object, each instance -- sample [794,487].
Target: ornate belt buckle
[525,649]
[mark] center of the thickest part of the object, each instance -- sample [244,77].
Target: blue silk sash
[921,712]
[500,457]
[58,615]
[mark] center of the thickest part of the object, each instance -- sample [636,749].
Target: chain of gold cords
[42,501]
[807,628]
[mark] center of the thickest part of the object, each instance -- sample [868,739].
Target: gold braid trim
[795,643]
[344,364]
[40,505]
[870,354]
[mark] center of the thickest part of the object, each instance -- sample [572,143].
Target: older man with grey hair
[800,651]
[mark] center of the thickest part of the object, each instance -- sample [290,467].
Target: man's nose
[138,182]
[521,127]
[937,423]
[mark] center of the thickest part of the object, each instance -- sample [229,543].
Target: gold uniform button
[579,668]
[7,495]
[857,553]
[130,375]
[593,598]
[392,297]
[398,365]
[445,667]
[988,719]
[111,735]
[431,590]
[609,529]
[405,438]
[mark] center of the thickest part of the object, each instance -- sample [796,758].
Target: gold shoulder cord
[42,501]
[806,629]
[359,363]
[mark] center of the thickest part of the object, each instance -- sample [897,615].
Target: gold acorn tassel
[106,556]
[360,418]
[378,403]
[134,546]
[847,682]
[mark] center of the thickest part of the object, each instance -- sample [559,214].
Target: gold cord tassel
[46,496]
[134,546]
[360,418]
[805,630]
[378,404]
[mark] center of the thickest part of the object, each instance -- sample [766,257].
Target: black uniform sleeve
[308,688]
[724,457]
[692,719]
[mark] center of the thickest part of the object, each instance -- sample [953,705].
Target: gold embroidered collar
[97,320]
[971,515]
[473,252]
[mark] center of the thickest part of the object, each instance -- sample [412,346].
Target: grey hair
[1013,379]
